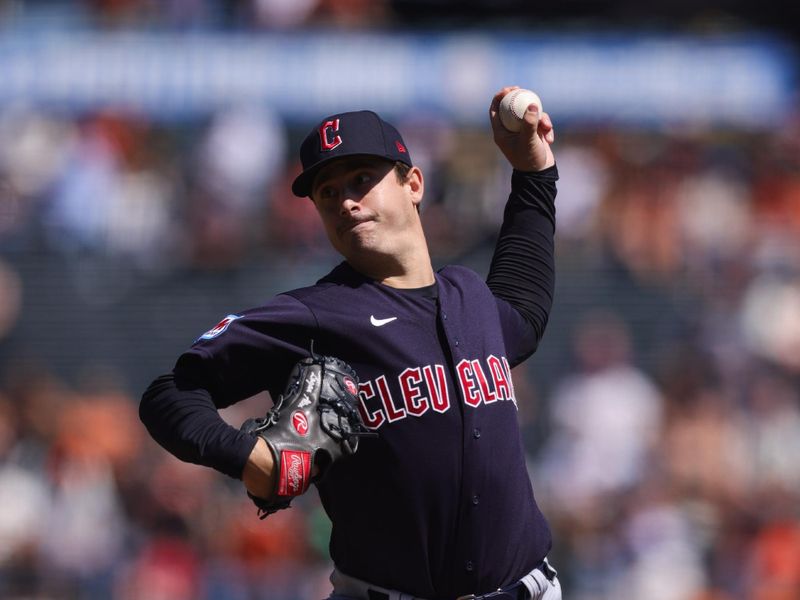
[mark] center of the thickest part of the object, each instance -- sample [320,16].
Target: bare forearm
[259,471]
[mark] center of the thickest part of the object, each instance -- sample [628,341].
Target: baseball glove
[315,422]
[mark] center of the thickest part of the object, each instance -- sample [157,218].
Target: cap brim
[301,187]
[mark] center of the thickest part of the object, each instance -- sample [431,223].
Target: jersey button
[469,566]
[456,342]
[476,433]
[475,500]
[444,316]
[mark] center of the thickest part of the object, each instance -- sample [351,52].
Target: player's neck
[414,278]
[411,269]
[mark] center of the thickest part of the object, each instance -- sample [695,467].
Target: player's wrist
[259,471]
[548,173]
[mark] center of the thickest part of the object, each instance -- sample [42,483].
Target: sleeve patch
[219,327]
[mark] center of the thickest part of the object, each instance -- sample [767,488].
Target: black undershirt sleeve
[181,416]
[523,271]
[181,409]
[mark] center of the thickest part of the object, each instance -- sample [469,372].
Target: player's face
[365,209]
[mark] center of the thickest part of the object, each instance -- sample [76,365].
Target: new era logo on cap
[347,134]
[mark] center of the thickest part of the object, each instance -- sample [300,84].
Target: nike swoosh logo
[380,322]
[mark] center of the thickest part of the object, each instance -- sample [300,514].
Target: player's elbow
[149,404]
[538,323]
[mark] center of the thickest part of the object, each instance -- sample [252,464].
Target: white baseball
[513,107]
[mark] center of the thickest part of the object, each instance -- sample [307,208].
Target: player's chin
[359,243]
[362,234]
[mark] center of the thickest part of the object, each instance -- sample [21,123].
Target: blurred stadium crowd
[282,14]
[661,415]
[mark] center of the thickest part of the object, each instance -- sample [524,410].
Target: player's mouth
[353,225]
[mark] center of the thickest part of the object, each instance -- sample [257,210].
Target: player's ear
[416,185]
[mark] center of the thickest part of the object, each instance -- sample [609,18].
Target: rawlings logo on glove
[294,479]
[322,426]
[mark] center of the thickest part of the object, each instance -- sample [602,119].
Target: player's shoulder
[342,277]
[460,276]
[297,307]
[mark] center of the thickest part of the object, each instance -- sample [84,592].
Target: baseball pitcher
[404,414]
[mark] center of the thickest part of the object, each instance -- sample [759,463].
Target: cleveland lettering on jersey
[424,388]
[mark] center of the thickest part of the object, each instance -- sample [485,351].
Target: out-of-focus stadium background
[146,150]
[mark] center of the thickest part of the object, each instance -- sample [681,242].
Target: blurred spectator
[109,197]
[293,226]
[640,220]
[85,523]
[704,447]
[606,418]
[98,426]
[34,148]
[715,212]
[96,435]
[777,337]
[241,155]
[353,13]
[166,569]
[774,433]
[10,298]
[281,14]
[584,176]
[24,502]
[39,397]
[665,557]
[775,562]
[80,207]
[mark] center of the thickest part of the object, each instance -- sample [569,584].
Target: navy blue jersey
[440,503]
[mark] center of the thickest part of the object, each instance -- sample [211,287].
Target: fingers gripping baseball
[314,423]
[527,149]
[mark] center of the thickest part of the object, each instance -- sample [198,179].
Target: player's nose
[349,203]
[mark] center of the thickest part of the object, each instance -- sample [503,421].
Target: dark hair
[401,171]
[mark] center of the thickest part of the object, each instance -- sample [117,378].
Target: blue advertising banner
[622,78]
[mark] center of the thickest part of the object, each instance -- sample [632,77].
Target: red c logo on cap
[324,142]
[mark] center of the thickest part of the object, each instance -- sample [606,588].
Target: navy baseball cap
[361,132]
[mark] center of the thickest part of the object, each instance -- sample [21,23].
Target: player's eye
[327,192]
[363,178]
